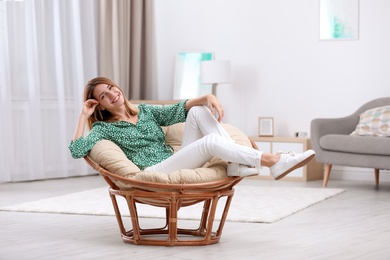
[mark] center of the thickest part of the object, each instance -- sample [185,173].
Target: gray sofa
[333,144]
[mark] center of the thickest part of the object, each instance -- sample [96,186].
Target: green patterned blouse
[144,143]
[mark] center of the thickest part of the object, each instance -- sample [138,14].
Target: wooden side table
[312,171]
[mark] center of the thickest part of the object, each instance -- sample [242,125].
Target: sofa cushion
[356,144]
[374,122]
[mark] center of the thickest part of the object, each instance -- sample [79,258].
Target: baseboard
[357,174]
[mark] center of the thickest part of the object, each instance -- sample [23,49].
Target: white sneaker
[241,170]
[289,162]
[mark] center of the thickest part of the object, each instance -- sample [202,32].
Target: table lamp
[215,72]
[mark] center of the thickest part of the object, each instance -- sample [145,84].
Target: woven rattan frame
[171,197]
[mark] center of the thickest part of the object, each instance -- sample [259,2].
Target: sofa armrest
[324,126]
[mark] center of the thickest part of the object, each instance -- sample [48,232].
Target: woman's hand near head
[89,107]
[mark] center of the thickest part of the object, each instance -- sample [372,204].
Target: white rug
[250,204]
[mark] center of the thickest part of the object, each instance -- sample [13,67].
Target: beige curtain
[126,45]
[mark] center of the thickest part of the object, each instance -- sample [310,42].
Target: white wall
[281,68]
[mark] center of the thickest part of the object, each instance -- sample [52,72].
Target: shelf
[312,171]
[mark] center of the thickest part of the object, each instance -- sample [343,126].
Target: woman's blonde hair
[104,115]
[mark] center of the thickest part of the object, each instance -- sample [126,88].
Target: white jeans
[203,139]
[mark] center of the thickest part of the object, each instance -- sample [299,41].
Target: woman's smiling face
[108,96]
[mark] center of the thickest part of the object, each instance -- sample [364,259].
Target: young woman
[109,115]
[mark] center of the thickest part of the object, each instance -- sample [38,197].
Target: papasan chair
[172,192]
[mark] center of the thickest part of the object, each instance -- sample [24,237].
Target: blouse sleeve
[169,115]
[83,145]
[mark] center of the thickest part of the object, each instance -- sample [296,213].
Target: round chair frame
[171,197]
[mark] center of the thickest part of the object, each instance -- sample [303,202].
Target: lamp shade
[212,72]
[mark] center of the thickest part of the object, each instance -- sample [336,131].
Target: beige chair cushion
[111,157]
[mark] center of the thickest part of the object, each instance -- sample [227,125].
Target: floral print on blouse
[143,143]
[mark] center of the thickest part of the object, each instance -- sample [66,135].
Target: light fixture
[215,72]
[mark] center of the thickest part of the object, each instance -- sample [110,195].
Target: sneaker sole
[241,176]
[249,175]
[238,175]
[299,165]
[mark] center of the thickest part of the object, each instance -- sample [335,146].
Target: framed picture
[187,75]
[266,126]
[339,19]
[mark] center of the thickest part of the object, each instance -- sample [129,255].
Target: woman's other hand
[210,101]
[215,106]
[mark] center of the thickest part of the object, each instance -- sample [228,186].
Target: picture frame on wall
[266,126]
[339,19]
[187,75]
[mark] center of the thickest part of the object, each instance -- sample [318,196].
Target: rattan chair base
[172,197]
[171,234]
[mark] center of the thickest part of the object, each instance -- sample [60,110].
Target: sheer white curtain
[48,52]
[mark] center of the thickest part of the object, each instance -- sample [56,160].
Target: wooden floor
[352,225]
